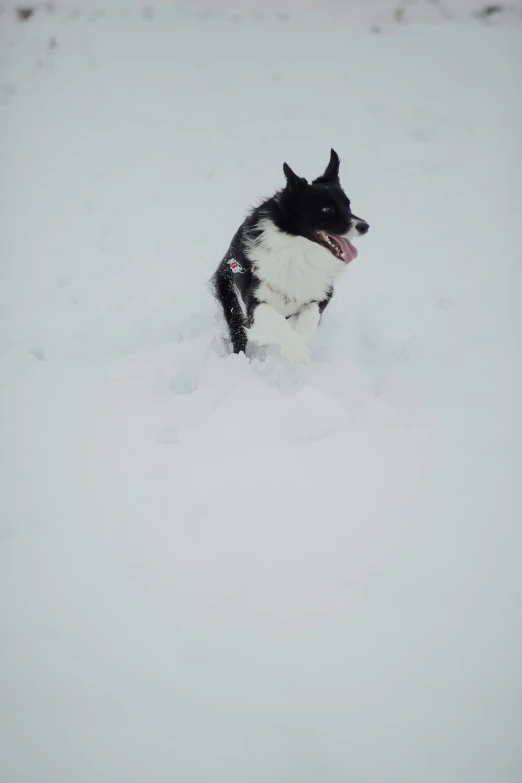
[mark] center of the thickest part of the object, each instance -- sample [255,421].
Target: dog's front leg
[271,328]
[307,321]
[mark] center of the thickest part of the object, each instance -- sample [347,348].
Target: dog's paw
[295,350]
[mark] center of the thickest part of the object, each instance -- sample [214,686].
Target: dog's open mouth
[340,247]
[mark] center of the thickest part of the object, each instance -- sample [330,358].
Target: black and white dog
[278,274]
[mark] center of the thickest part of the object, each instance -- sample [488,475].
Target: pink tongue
[349,251]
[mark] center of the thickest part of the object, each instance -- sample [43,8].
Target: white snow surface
[216,571]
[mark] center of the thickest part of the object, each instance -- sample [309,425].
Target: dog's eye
[328,208]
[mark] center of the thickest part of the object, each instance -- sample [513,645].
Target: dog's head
[320,211]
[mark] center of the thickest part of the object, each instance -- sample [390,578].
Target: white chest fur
[293,270]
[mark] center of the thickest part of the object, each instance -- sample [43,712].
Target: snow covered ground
[216,571]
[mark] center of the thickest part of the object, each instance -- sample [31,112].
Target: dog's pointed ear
[331,172]
[293,182]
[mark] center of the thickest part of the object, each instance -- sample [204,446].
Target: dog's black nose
[362,227]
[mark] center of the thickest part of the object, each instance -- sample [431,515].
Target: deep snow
[218,571]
